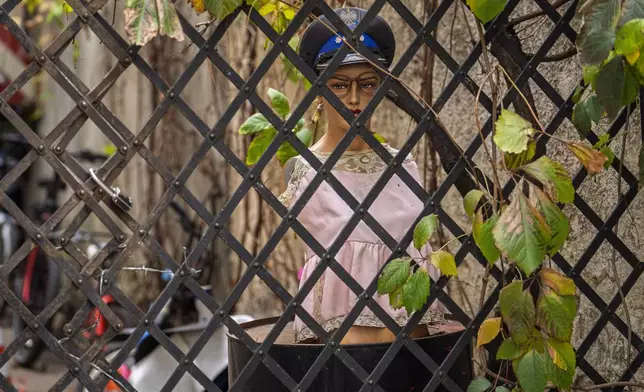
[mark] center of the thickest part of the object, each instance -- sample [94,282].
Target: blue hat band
[335,42]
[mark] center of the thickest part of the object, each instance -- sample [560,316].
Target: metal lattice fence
[93,199]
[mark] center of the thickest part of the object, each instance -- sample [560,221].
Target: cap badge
[349,17]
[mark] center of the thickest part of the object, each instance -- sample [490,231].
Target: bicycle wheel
[44,284]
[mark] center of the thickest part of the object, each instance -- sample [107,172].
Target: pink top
[396,208]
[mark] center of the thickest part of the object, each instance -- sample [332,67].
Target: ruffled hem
[432,318]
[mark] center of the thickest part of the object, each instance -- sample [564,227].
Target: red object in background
[12,64]
[95,316]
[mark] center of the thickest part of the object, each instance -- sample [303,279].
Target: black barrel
[405,373]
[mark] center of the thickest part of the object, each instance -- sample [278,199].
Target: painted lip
[356,112]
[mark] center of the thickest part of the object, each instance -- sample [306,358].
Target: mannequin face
[354,85]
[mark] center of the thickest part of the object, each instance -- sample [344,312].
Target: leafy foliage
[486,10]
[415,290]
[424,229]
[512,132]
[554,177]
[264,132]
[483,237]
[489,330]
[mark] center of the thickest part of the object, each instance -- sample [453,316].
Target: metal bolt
[337,350]
[370,382]
[432,203]
[119,326]
[294,304]
[172,95]
[105,281]
[221,313]
[395,164]
[36,325]
[325,171]
[63,240]
[54,59]
[111,371]
[58,150]
[41,148]
[182,273]
[441,374]
[79,281]
[142,233]
[69,330]
[358,125]
[81,193]
[38,236]
[130,51]
[365,295]
[136,143]
[320,84]
[228,73]
[291,217]
[76,369]
[124,150]
[83,104]
[285,131]
[206,47]
[122,164]
[261,352]
[328,257]
[281,42]
[146,322]
[212,136]
[332,343]
[252,177]
[256,265]
[217,225]
[361,211]
[42,59]
[404,335]
[121,238]
[177,184]
[127,61]
[186,361]
[247,89]
[85,15]
[101,191]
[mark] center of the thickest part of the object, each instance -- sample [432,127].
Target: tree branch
[558,56]
[536,14]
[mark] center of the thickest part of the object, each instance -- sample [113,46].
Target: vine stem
[453,239]
[534,115]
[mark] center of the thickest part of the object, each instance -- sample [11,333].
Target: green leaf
[512,132]
[259,144]
[555,218]
[558,377]
[507,296]
[67,8]
[279,102]
[631,87]
[630,37]
[415,291]
[489,330]
[610,155]
[522,234]
[579,91]
[521,317]
[395,299]
[482,233]
[289,13]
[471,201]
[555,314]
[254,124]
[632,9]
[562,354]
[554,177]
[220,9]
[596,47]
[585,113]
[379,138]
[424,230]
[393,276]
[560,284]
[267,9]
[169,24]
[486,10]
[597,35]
[512,161]
[501,388]
[532,372]
[445,262]
[640,165]
[590,73]
[610,86]
[509,350]
[479,385]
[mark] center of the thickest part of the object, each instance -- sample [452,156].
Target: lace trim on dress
[431,319]
[363,162]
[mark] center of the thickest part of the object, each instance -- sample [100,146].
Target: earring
[318,113]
